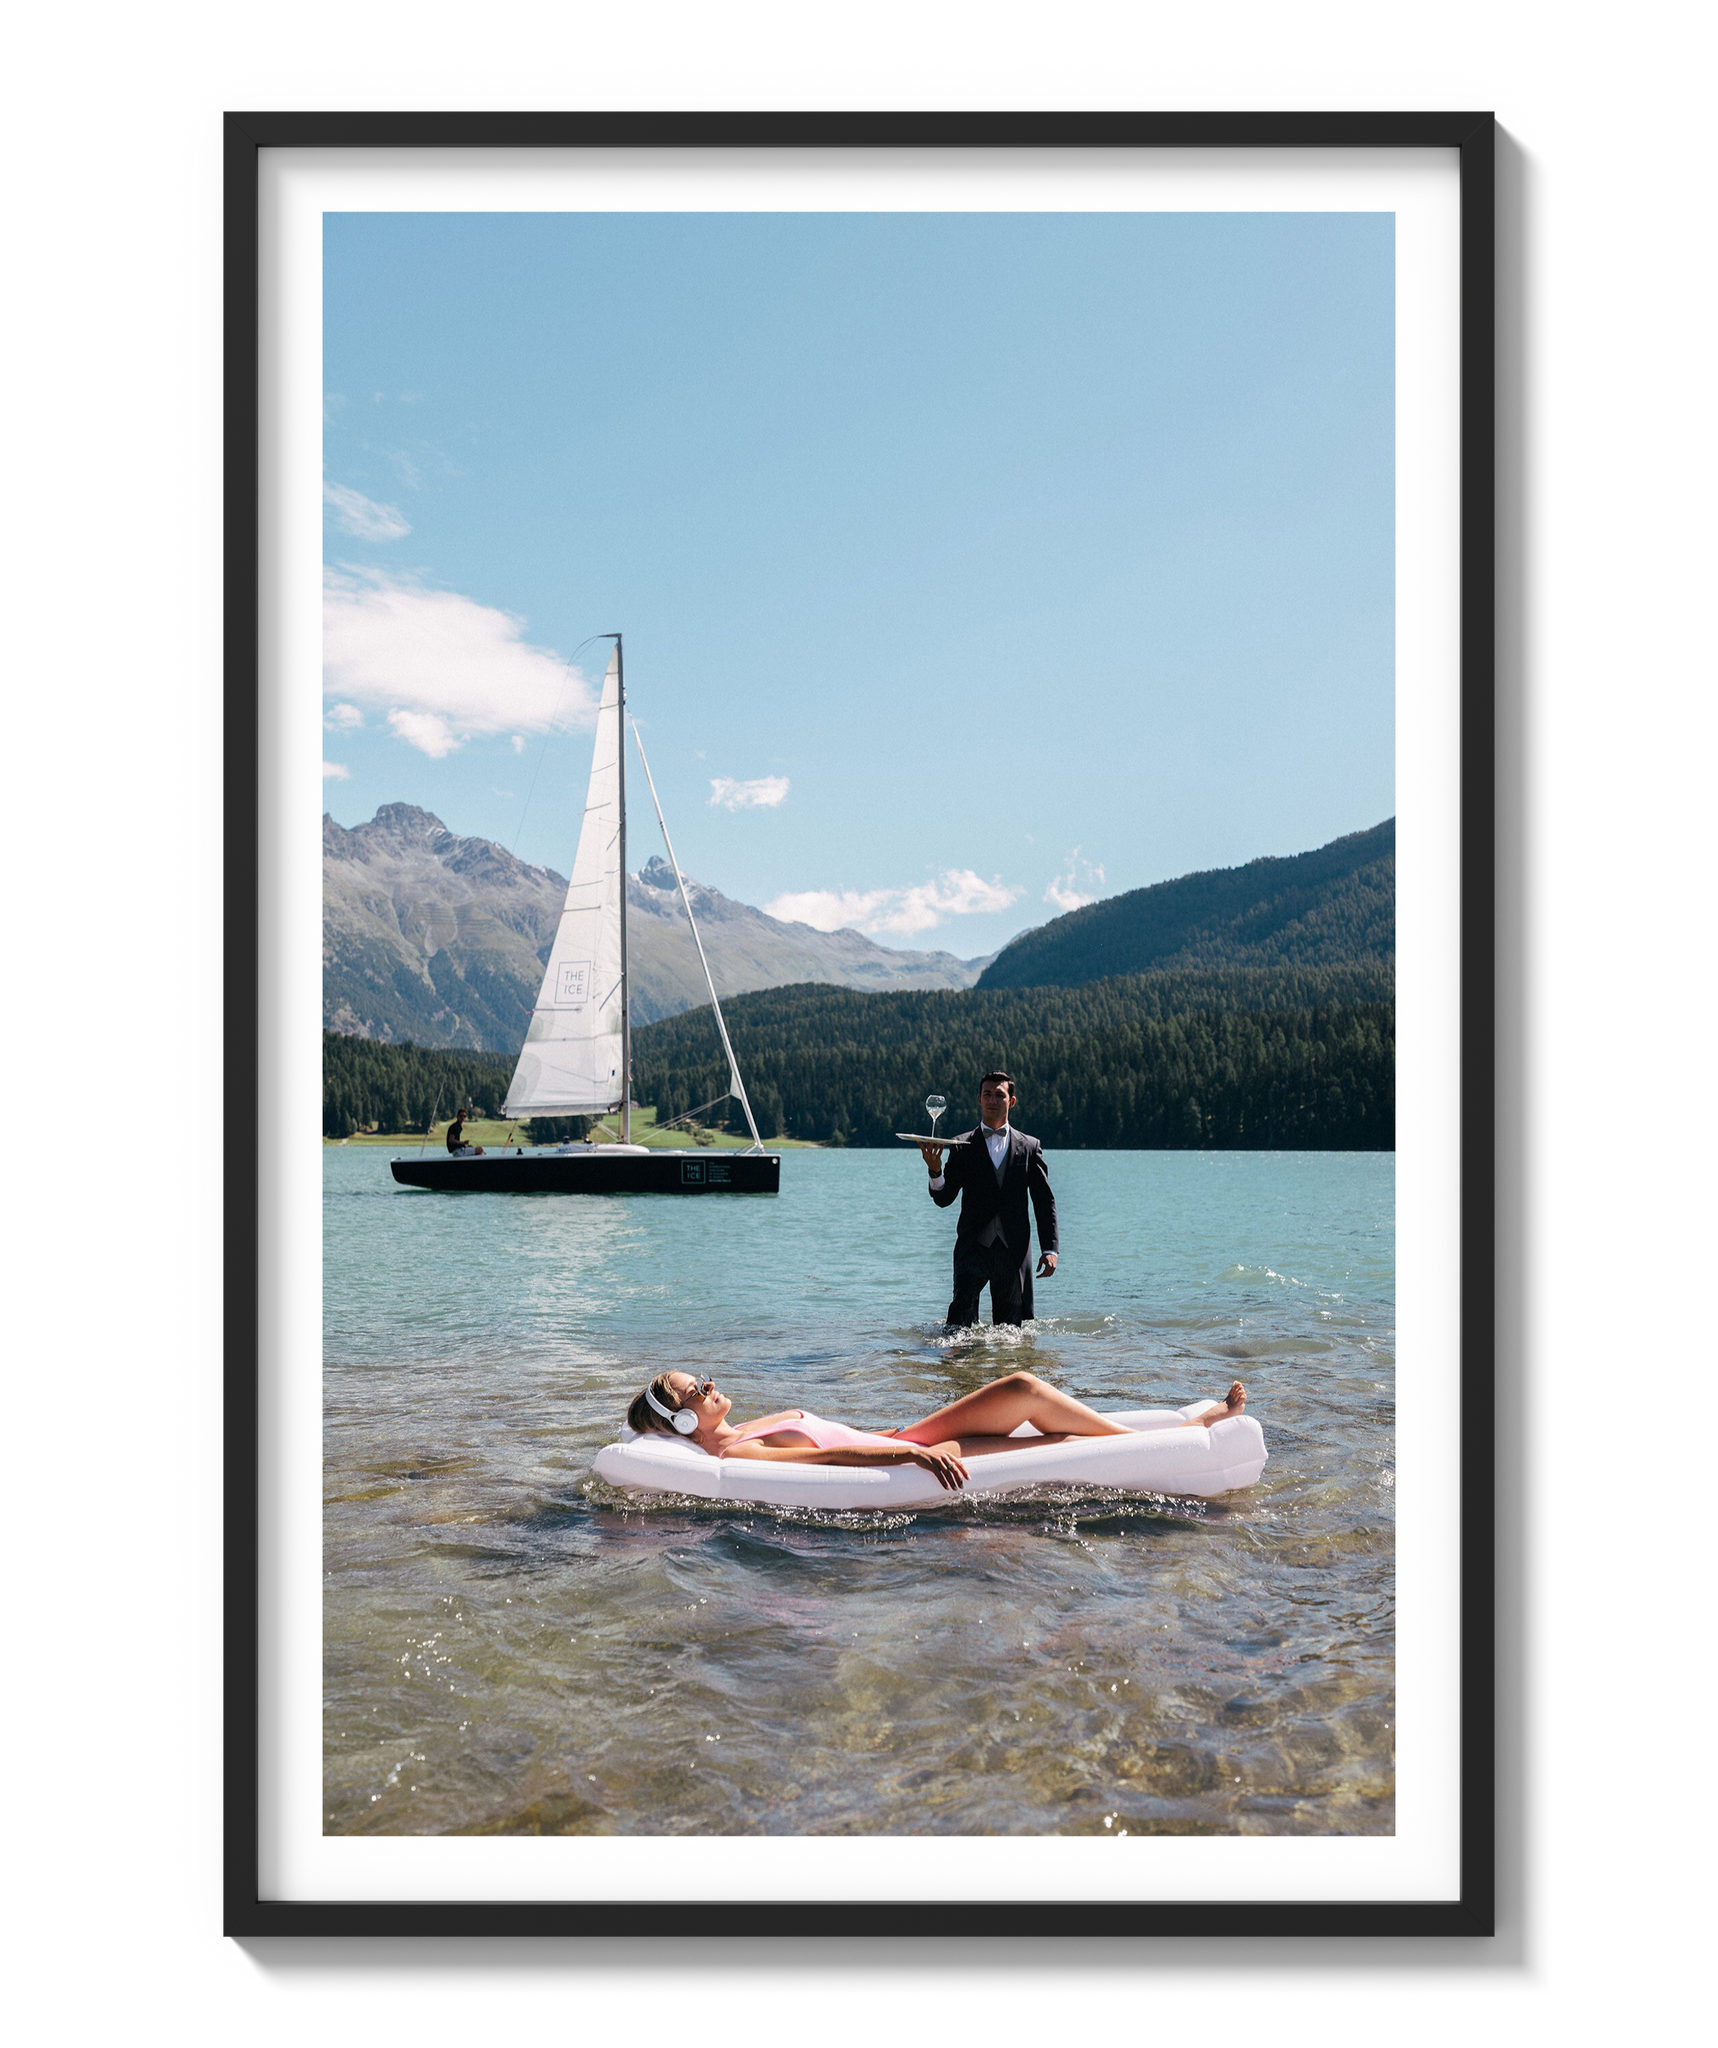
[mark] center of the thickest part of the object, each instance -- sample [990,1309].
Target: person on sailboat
[994,1172]
[978,1425]
[456,1139]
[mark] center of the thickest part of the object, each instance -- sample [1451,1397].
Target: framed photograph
[852,741]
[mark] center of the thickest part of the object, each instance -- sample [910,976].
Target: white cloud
[428,731]
[518,743]
[443,668]
[362,517]
[1065,891]
[762,795]
[342,718]
[1066,897]
[333,772]
[956,892]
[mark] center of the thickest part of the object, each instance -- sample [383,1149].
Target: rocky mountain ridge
[442,939]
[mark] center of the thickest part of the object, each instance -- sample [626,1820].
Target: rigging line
[548,734]
[430,1133]
[686,1116]
[736,1085]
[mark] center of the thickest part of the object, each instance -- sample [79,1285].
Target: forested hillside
[1292,1058]
[400,1087]
[1335,904]
[1298,1058]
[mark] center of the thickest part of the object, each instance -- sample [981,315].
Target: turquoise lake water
[511,1646]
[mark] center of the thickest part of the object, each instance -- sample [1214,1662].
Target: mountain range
[441,939]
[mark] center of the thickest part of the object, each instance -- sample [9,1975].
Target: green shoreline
[491,1133]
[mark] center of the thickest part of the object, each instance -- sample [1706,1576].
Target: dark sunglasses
[700,1389]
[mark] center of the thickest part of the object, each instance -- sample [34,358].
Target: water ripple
[514,1647]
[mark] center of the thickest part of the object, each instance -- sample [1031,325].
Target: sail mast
[739,1086]
[625,986]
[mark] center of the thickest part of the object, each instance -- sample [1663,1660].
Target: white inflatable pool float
[1155,1457]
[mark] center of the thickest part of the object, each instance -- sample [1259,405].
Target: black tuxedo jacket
[986,1198]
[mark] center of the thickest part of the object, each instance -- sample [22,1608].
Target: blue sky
[969,565]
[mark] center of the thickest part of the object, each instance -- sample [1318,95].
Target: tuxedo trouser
[1006,1273]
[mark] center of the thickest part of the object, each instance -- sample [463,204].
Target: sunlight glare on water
[513,1647]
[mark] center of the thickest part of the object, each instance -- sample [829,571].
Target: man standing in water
[993,1173]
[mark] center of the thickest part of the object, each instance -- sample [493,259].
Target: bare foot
[1233,1403]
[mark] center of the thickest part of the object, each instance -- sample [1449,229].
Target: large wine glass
[936,1104]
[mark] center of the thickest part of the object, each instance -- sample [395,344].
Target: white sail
[572,1062]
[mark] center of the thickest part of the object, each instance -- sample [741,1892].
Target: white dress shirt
[995,1143]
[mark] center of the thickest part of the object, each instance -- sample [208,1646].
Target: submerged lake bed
[513,1647]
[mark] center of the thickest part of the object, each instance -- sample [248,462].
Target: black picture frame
[1472,137]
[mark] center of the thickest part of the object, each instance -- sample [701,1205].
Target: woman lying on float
[978,1425]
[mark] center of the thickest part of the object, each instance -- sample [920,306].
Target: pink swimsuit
[827,1436]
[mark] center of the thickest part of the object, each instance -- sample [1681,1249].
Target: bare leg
[999,1409]
[990,1446]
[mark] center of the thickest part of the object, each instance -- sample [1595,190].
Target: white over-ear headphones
[684,1421]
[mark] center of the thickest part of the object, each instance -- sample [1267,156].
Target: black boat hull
[596,1171]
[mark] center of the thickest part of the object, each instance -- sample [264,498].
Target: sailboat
[577,1055]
